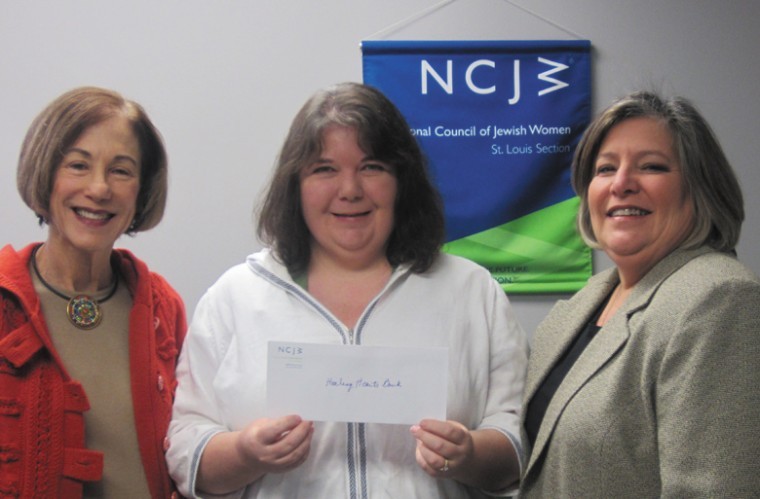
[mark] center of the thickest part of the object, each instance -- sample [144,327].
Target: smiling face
[348,201]
[95,189]
[639,210]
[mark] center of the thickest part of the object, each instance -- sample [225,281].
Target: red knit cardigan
[42,433]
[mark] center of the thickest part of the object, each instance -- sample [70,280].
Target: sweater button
[160,383]
[166,444]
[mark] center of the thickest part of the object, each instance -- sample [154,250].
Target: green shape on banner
[538,253]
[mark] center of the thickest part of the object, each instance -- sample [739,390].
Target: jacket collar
[15,277]
[266,264]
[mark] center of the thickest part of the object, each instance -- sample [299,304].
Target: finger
[279,427]
[293,453]
[289,441]
[432,443]
[452,431]
[421,455]
[297,436]
[432,463]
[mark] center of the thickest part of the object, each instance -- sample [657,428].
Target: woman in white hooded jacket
[354,229]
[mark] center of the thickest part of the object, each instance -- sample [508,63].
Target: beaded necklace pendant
[84,312]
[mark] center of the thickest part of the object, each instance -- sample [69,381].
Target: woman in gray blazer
[646,383]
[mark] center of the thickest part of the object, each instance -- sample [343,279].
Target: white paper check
[368,384]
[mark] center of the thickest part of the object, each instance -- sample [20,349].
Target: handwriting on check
[361,383]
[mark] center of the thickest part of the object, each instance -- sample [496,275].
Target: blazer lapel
[561,327]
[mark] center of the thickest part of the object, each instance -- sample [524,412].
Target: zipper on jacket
[350,336]
[356,451]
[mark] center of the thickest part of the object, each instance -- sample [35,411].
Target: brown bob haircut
[383,134]
[59,126]
[708,179]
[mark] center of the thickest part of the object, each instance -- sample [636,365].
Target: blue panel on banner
[499,120]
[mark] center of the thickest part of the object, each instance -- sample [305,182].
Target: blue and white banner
[499,121]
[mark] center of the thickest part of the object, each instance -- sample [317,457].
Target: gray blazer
[665,400]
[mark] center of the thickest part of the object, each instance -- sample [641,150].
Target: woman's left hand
[443,447]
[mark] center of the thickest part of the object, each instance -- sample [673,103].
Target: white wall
[222,79]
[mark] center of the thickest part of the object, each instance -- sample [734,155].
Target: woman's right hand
[234,459]
[275,445]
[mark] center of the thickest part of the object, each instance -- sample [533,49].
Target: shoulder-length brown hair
[384,134]
[708,179]
[61,123]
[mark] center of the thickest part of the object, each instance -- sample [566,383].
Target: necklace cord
[58,293]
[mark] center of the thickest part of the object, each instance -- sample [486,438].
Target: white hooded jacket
[222,374]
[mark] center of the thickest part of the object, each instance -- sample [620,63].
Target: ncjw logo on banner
[499,121]
[447,84]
